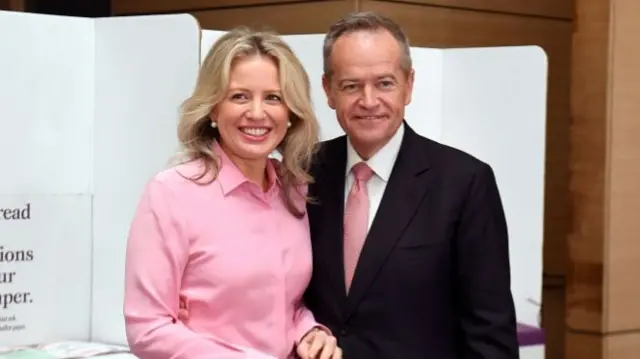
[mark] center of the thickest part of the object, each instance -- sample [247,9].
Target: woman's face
[252,118]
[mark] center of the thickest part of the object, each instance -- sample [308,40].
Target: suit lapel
[403,194]
[331,182]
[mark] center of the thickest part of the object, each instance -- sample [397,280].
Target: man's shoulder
[331,145]
[457,169]
[449,158]
[328,149]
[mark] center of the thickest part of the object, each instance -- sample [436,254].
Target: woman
[225,231]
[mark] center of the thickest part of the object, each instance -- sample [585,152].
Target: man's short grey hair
[365,21]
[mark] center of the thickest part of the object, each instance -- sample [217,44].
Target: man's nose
[369,98]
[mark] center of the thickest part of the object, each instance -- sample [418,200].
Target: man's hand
[318,344]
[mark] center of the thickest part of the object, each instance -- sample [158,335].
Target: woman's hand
[183,310]
[318,344]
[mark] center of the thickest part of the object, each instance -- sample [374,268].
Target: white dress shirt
[381,163]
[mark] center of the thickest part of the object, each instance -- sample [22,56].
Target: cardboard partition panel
[46,90]
[494,107]
[145,67]
[88,115]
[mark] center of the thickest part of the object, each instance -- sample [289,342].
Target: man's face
[368,88]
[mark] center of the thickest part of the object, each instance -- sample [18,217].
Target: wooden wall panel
[12,5]
[553,299]
[588,159]
[594,346]
[623,242]
[126,7]
[603,292]
[298,18]
[548,8]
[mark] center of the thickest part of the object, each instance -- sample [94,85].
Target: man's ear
[410,79]
[326,85]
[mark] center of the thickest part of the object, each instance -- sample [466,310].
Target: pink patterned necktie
[356,219]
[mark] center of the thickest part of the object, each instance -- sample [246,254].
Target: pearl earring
[289,124]
[213,124]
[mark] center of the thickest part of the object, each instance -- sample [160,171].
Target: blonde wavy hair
[196,135]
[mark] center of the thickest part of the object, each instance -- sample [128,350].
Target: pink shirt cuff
[302,332]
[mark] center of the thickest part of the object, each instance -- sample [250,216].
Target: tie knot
[362,171]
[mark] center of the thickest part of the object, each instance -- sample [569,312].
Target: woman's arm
[313,339]
[305,322]
[157,253]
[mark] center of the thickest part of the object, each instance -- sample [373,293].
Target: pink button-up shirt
[233,252]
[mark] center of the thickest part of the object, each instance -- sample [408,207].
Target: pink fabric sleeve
[304,322]
[157,253]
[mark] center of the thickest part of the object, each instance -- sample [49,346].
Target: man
[410,243]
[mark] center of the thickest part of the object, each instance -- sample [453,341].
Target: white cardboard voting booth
[88,114]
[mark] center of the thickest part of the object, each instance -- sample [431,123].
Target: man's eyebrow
[342,81]
[380,77]
[387,76]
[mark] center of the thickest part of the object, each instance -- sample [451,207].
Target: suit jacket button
[343,332]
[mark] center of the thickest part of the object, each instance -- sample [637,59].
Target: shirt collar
[230,176]
[382,161]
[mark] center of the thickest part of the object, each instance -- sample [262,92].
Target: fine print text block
[45,268]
